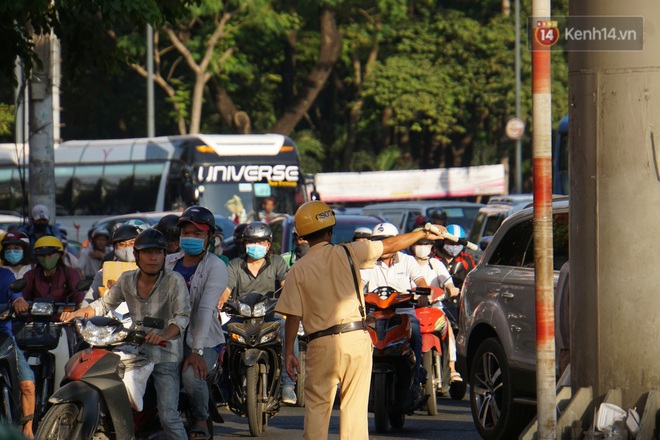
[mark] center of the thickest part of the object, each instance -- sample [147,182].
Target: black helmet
[438,214]
[198,216]
[125,232]
[257,231]
[238,231]
[168,226]
[100,232]
[150,239]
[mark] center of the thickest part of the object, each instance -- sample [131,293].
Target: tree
[83,22]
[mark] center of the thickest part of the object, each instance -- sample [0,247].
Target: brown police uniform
[320,289]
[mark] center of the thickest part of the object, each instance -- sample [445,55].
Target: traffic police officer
[325,285]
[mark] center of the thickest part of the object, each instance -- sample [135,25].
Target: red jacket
[56,287]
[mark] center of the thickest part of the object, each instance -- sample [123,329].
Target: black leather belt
[337,329]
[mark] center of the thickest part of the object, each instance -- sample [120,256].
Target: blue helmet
[457,231]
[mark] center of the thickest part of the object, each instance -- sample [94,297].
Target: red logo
[546,32]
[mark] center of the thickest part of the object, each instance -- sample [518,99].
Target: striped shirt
[168,300]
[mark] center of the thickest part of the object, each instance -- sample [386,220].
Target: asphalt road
[453,422]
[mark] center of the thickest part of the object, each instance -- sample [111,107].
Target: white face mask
[125,254]
[423,251]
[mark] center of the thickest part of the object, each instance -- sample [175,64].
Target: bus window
[87,188]
[117,189]
[64,187]
[146,186]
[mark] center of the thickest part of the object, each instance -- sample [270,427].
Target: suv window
[559,242]
[410,220]
[513,246]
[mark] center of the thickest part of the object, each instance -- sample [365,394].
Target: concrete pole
[543,270]
[42,175]
[151,120]
[518,81]
[614,133]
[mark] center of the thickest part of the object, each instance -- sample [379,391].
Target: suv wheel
[495,414]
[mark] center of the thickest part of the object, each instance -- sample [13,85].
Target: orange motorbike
[391,396]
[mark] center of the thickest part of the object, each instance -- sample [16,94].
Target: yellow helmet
[313,216]
[47,245]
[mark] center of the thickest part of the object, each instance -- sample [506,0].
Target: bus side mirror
[190,193]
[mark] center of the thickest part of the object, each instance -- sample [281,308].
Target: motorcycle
[254,360]
[10,393]
[434,326]
[392,394]
[46,344]
[93,400]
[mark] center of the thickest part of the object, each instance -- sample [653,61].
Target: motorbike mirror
[83,285]
[18,285]
[153,323]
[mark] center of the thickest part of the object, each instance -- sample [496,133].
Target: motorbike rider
[25,373]
[263,272]
[320,290]
[436,275]
[361,234]
[168,226]
[156,292]
[123,241]
[39,226]
[51,278]
[238,250]
[300,248]
[91,257]
[15,254]
[400,272]
[68,256]
[453,255]
[206,278]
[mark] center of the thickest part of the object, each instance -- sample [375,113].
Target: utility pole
[151,122]
[517,67]
[41,126]
[614,159]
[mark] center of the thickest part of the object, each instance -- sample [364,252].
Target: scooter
[391,396]
[434,327]
[47,345]
[93,400]
[10,394]
[254,360]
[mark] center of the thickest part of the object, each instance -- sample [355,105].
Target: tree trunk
[234,118]
[331,42]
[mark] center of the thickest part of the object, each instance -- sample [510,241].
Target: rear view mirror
[153,323]
[83,285]
[18,285]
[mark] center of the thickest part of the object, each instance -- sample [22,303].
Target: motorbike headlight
[245,309]
[100,335]
[236,337]
[268,337]
[259,309]
[42,309]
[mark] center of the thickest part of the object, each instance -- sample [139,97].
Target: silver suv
[496,341]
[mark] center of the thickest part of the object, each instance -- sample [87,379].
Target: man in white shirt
[401,272]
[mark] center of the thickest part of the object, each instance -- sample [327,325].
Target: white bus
[110,177]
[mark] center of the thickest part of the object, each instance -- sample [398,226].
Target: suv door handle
[508,295]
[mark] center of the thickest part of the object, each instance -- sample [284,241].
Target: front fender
[88,400]
[429,341]
[252,356]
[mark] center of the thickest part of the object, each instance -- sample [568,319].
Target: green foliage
[6,119]
[310,150]
[83,23]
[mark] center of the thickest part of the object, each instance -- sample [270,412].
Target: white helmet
[384,230]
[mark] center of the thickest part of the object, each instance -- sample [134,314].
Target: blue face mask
[192,245]
[14,256]
[256,251]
